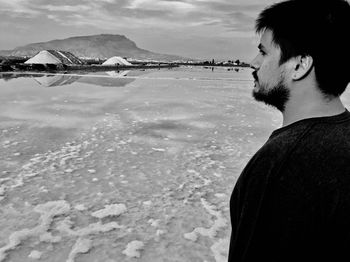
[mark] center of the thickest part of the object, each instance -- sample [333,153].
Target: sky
[201,29]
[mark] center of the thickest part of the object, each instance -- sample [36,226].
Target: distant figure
[292,200]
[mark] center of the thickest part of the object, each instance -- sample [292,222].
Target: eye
[262,52]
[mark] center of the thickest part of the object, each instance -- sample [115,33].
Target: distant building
[116,60]
[54,57]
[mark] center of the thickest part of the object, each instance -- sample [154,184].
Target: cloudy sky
[221,29]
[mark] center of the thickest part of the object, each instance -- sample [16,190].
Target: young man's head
[314,35]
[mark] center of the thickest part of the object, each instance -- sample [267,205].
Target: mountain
[94,46]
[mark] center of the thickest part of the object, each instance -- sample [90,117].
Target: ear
[302,67]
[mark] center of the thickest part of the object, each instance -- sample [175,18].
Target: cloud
[239,21]
[108,15]
[231,16]
[66,8]
[161,5]
[18,7]
[171,26]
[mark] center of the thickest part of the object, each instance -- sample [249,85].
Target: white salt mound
[132,249]
[110,210]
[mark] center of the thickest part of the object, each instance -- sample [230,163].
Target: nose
[254,63]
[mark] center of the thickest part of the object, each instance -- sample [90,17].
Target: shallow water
[124,166]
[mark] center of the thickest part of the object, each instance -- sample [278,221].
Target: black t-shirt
[292,200]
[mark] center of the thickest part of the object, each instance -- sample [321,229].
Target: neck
[312,108]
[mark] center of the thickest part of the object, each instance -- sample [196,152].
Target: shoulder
[320,160]
[281,143]
[328,134]
[269,158]
[325,142]
[315,140]
[302,151]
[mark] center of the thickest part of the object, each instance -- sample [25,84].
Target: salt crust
[220,250]
[35,254]
[83,245]
[48,237]
[220,195]
[132,248]
[147,203]
[47,212]
[154,222]
[110,210]
[80,247]
[80,207]
[68,153]
[95,228]
[52,209]
[210,232]
[2,190]
[158,149]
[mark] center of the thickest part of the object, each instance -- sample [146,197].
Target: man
[292,200]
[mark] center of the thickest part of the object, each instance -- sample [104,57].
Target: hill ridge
[93,46]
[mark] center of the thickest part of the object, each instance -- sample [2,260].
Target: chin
[276,97]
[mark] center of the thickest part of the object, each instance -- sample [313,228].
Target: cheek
[268,70]
[264,72]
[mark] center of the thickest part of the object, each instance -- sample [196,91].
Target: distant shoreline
[21,67]
[64,68]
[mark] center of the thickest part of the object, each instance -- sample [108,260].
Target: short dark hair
[319,29]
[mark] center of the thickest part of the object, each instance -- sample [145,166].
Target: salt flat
[135,166]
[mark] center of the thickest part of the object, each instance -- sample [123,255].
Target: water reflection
[64,101]
[109,78]
[118,73]
[56,80]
